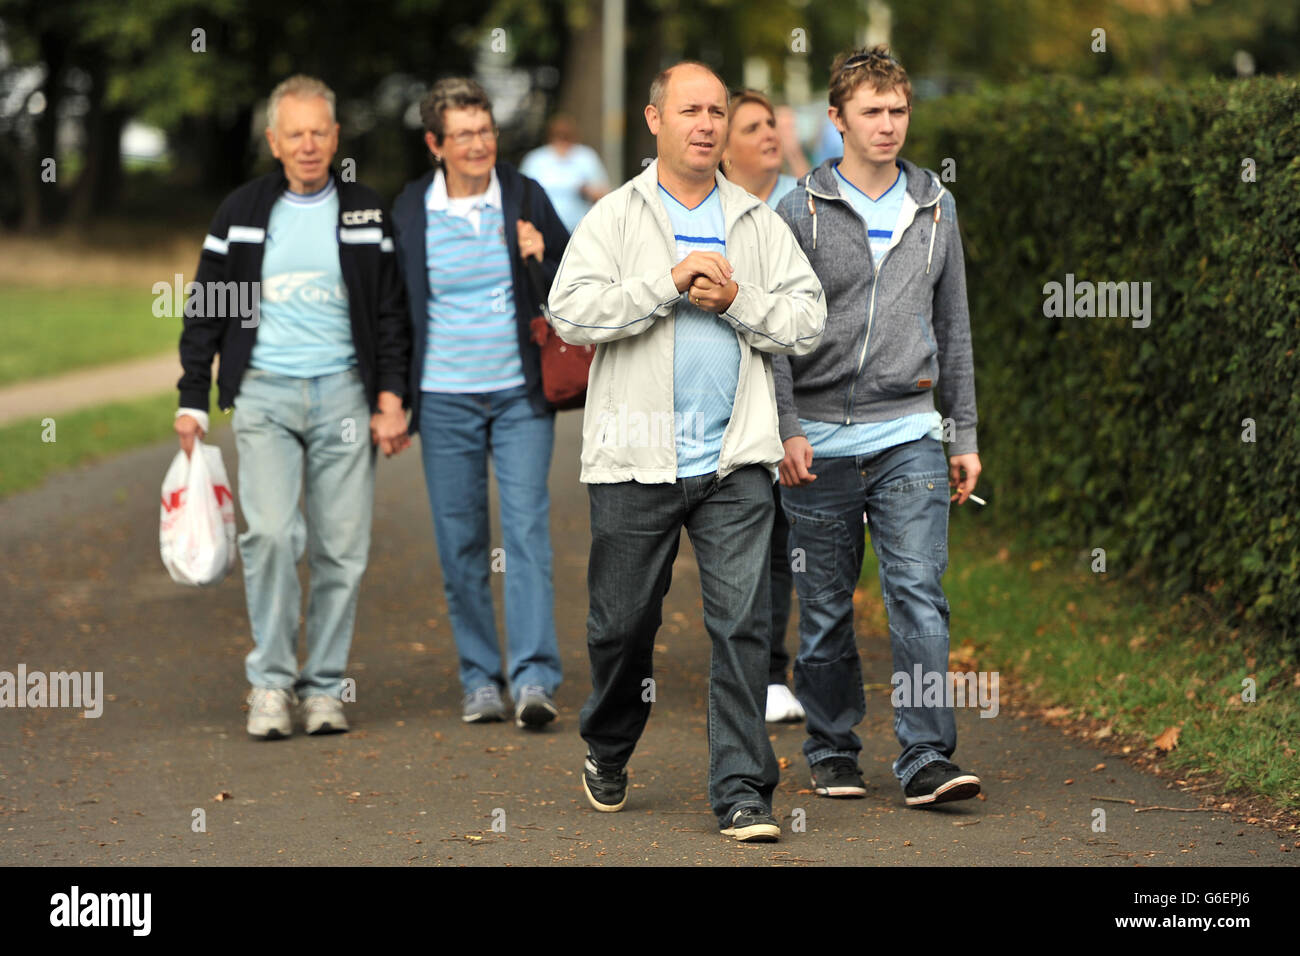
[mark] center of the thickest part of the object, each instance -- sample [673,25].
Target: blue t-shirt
[706,352]
[783,185]
[563,177]
[880,215]
[304,329]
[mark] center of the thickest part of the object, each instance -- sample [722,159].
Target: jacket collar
[922,185]
[736,202]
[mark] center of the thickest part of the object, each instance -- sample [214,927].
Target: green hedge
[1096,434]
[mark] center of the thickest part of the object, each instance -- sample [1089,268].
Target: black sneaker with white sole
[606,789]
[940,782]
[753,825]
[838,777]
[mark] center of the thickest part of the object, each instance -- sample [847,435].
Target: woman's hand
[531,242]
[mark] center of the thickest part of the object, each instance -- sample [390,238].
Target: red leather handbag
[564,366]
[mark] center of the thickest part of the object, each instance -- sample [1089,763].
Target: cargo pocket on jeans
[820,556]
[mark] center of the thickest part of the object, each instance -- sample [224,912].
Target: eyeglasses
[465,137]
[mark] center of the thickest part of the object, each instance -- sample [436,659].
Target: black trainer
[940,782]
[753,825]
[606,790]
[838,777]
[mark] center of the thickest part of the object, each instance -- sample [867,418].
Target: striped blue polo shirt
[706,352]
[473,336]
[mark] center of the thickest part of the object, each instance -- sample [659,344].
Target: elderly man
[326,352]
[684,282]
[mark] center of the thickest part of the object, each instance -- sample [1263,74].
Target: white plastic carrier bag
[196,522]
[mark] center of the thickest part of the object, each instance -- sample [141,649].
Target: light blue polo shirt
[706,352]
[304,328]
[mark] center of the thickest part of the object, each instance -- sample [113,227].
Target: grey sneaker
[324,715]
[483,705]
[268,713]
[534,707]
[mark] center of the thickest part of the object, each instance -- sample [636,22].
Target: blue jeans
[282,424]
[635,531]
[458,433]
[904,492]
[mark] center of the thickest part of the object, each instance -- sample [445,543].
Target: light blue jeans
[458,434]
[281,425]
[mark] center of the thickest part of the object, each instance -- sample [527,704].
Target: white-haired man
[326,350]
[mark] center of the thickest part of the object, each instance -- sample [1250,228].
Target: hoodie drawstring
[812,211]
[933,227]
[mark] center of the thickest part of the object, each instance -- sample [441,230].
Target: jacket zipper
[866,339]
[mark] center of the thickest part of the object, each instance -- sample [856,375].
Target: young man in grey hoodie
[861,432]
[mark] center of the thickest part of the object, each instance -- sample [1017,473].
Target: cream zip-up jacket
[614,289]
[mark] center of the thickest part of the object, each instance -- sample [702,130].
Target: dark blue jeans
[635,531]
[904,492]
[782,586]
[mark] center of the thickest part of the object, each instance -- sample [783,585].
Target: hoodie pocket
[905,357]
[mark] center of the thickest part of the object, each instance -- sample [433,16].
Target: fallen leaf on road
[1070,781]
[1055,713]
[1169,739]
[1100,766]
[223,795]
[783,763]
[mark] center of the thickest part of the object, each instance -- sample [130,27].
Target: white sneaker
[268,713]
[324,715]
[782,706]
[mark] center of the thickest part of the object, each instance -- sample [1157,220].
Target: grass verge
[84,436]
[52,330]
[1099,649]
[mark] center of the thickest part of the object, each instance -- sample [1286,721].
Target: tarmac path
[82,588]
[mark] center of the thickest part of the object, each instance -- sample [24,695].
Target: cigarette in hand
[977,499]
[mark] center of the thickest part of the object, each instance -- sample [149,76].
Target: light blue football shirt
[835,439]
[783,185]
[706,352]
[304,329]
[880,215]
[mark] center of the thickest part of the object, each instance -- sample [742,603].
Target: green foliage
[1099,434]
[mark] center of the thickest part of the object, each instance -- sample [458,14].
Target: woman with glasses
[462,232]
[752,160]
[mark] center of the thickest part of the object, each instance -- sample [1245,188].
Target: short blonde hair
[302,86]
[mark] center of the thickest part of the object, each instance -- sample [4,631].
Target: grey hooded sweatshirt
[894,334]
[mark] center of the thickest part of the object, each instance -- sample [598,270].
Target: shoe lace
[843,766]
[267,701]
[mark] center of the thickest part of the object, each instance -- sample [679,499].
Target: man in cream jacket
[686,284]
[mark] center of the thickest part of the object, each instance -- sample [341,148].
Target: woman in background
[753,160]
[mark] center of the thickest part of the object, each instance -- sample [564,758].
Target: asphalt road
[82,588]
